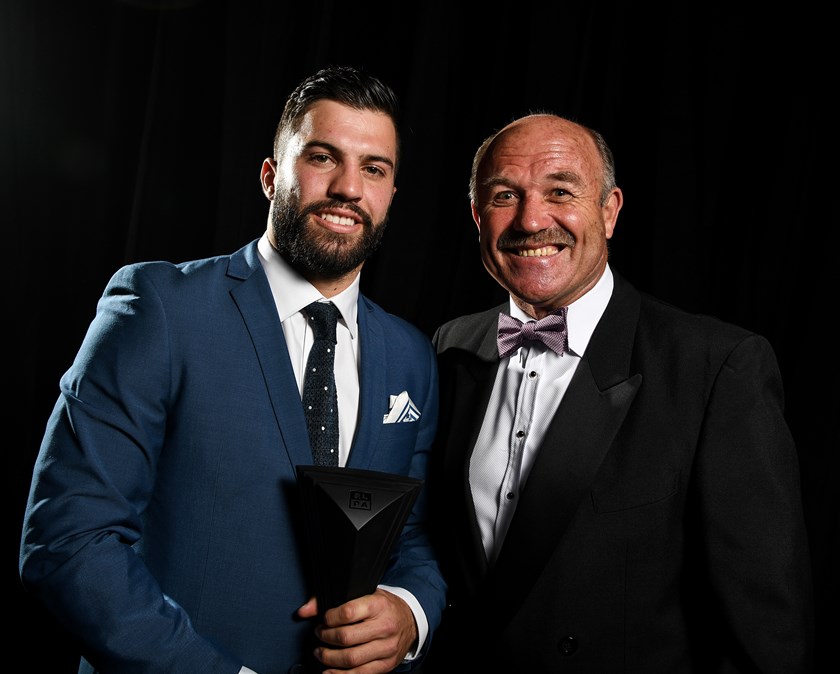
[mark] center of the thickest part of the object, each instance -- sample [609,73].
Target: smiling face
[331,190]
[538,205]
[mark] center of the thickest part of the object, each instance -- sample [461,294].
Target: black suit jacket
[661,527]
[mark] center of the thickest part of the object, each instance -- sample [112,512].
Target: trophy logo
[360,500]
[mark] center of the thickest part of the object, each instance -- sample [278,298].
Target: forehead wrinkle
[570,177]
[523,146]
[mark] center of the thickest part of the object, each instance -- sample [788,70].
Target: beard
[313,250]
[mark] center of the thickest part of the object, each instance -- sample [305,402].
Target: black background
[135,130]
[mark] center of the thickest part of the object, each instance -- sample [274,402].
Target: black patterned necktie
[320,403]
[550,330]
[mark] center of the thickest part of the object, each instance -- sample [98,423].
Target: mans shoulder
[397,328]
[661,315]
[239,265]
[466,332]
[678,335]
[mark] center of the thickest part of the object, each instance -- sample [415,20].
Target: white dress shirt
[293,293]
[527,392]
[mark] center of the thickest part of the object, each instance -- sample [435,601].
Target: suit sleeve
[91,485]
[751,512]
[413,565]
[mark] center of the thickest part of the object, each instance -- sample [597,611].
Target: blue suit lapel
[373,393]
[256,304]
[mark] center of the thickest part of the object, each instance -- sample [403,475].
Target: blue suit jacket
[163,520]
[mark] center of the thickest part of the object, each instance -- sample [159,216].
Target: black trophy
[352,519]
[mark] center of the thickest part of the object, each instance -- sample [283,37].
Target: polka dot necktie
[320,403]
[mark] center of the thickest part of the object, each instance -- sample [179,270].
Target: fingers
[369,635]
[309,609]
[372,658]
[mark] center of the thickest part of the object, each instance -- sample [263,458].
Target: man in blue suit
[163,525]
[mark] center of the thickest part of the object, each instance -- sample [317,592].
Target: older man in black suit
[618,490]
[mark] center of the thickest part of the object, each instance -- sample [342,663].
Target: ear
[475,216]
[610,211]
[267,174]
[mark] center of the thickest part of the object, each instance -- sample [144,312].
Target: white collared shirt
[526,394]
[292,293]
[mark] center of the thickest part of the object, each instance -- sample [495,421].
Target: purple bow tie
[550,330]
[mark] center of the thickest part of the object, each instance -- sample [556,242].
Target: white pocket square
[401,409]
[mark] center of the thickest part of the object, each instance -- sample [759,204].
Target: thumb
[309,609]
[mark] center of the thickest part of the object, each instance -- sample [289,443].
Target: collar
[584,313]
[292,292]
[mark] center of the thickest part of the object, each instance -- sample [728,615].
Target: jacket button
[567,646]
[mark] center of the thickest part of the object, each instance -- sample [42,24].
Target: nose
[346,184]
[533,215]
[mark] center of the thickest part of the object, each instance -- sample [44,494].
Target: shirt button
[532,375]
[510,496]
[568,645]
[520,434]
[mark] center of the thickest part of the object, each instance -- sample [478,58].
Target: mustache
[556,236]
[317,206]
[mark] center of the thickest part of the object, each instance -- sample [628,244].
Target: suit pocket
[642,492]
[396,446]
[401,438]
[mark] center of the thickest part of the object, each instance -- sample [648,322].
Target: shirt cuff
[419,618]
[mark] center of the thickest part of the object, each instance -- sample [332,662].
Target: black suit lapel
[468,361]
[576,442]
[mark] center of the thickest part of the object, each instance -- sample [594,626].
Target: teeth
[538,252]
[329,217]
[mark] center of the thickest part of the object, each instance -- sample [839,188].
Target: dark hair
[343,84]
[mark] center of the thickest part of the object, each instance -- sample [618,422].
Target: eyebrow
[332,149]
[566,177]
[559,176]
[495,182]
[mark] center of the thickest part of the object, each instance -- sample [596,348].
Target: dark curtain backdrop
[134,130]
